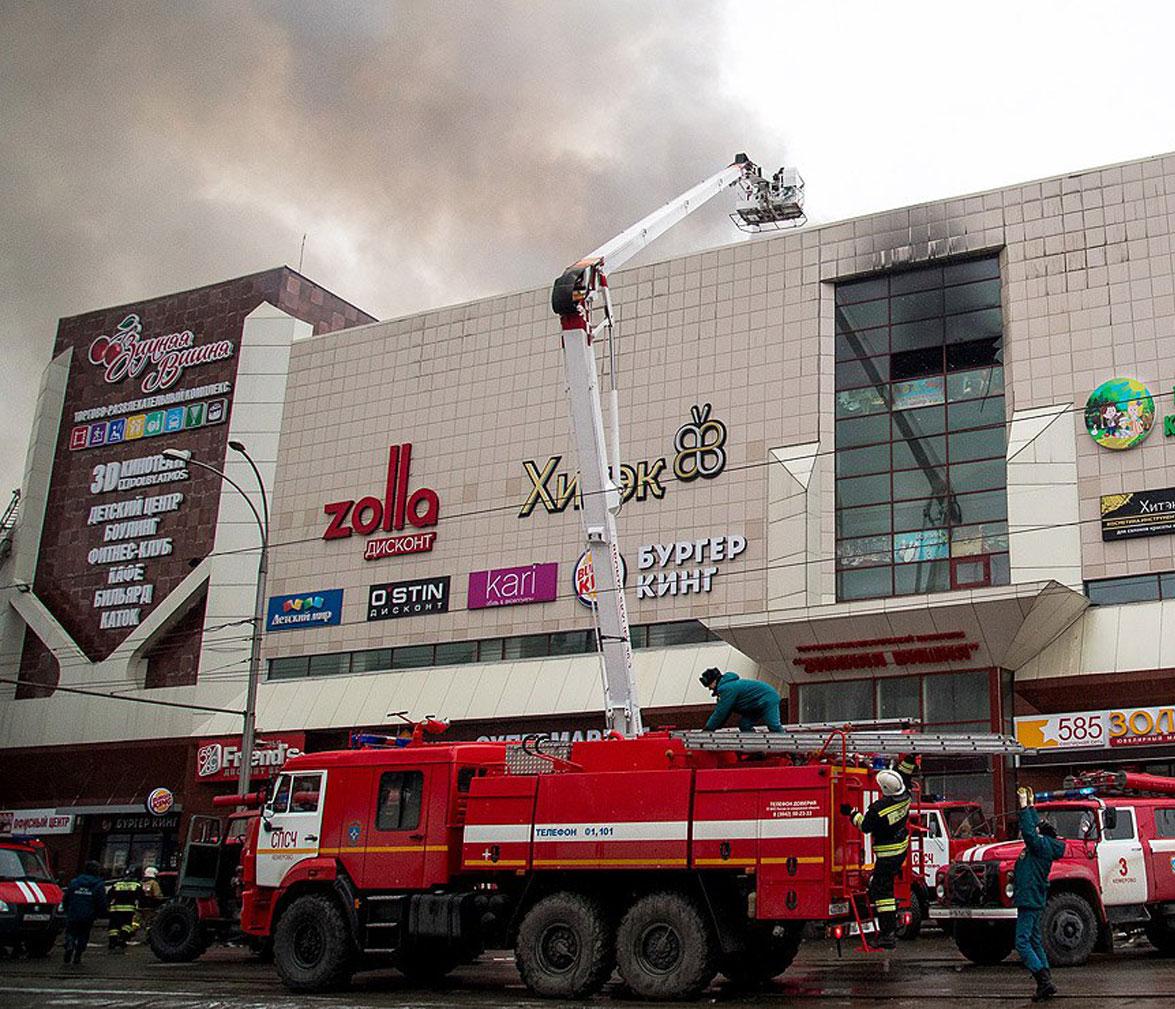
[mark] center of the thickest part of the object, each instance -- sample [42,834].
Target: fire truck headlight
[941,890]
[4,908]
[1009,889]
[61,908]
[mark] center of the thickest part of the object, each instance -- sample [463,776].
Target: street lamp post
[249,728]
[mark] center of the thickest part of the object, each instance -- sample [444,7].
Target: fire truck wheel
[176,935]
[1161,934]
[767,956]
[311,947]
[564,947]
[665,949]
[985,942]
[1070,930]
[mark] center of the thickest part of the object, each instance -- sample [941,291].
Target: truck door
[935,846]
[198,871]
[1121,862]
[395,851]
[1162,854]
[291,825]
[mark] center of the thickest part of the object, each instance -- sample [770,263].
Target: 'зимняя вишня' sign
[1140,513]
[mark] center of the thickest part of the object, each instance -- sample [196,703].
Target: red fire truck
[1117,873]
[947,828]
[670,856]
[30,899]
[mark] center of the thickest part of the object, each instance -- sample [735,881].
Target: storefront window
[920,430]
[958,697]
[836,702]
[897,697]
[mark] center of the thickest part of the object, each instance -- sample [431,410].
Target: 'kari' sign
[321,608]
[531,583]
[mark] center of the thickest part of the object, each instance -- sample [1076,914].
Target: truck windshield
[17,863]
[1075,824]
[967,821]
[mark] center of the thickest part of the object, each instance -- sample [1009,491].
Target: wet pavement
[929,972]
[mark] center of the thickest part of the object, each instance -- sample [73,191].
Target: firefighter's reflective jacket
[886,818]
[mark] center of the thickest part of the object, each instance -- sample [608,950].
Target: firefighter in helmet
[755,702]
[124,897]
[886,822]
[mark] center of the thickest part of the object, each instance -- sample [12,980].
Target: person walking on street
[1030,887]
[85,900]
[886,821]
[755,702]
[124,902]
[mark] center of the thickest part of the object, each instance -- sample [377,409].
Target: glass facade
[452,653]
[1131,589]
[921,482]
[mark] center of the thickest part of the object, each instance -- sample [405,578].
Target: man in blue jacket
[755,702]
[1030,891]
[85,900]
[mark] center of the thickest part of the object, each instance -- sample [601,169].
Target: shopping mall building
[910,466]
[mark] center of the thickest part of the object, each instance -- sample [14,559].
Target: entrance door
[395,852]
[1121,862]
[291,825]
[1162,854]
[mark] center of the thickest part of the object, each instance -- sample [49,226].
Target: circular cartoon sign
[1119,413]
[584,578]
[160,801]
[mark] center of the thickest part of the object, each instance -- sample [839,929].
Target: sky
[434,152]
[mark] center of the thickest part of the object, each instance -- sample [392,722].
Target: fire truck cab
[1117,873]
[31,912]
[643,854]
[947,828]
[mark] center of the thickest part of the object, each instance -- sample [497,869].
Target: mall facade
[909,467]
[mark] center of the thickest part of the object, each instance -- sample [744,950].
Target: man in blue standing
[755,702]
[1030,891]
[85,900]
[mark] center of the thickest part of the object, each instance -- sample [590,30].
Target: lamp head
[182,454]
[237,446]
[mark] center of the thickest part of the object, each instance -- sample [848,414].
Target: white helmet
[150,872]
[890,783]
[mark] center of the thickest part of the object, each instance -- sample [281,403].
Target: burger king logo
[160,801]
[583,577]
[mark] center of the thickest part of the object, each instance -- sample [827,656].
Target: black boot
[1045,989]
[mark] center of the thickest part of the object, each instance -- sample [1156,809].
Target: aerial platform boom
[767,203]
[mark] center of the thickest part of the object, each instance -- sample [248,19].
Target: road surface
[925,973]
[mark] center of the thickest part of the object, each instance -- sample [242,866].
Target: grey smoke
[434,152]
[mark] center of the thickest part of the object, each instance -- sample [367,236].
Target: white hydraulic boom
[766,204]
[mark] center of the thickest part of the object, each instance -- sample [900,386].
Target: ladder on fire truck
[853,745]
[853,741]
[767,204]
